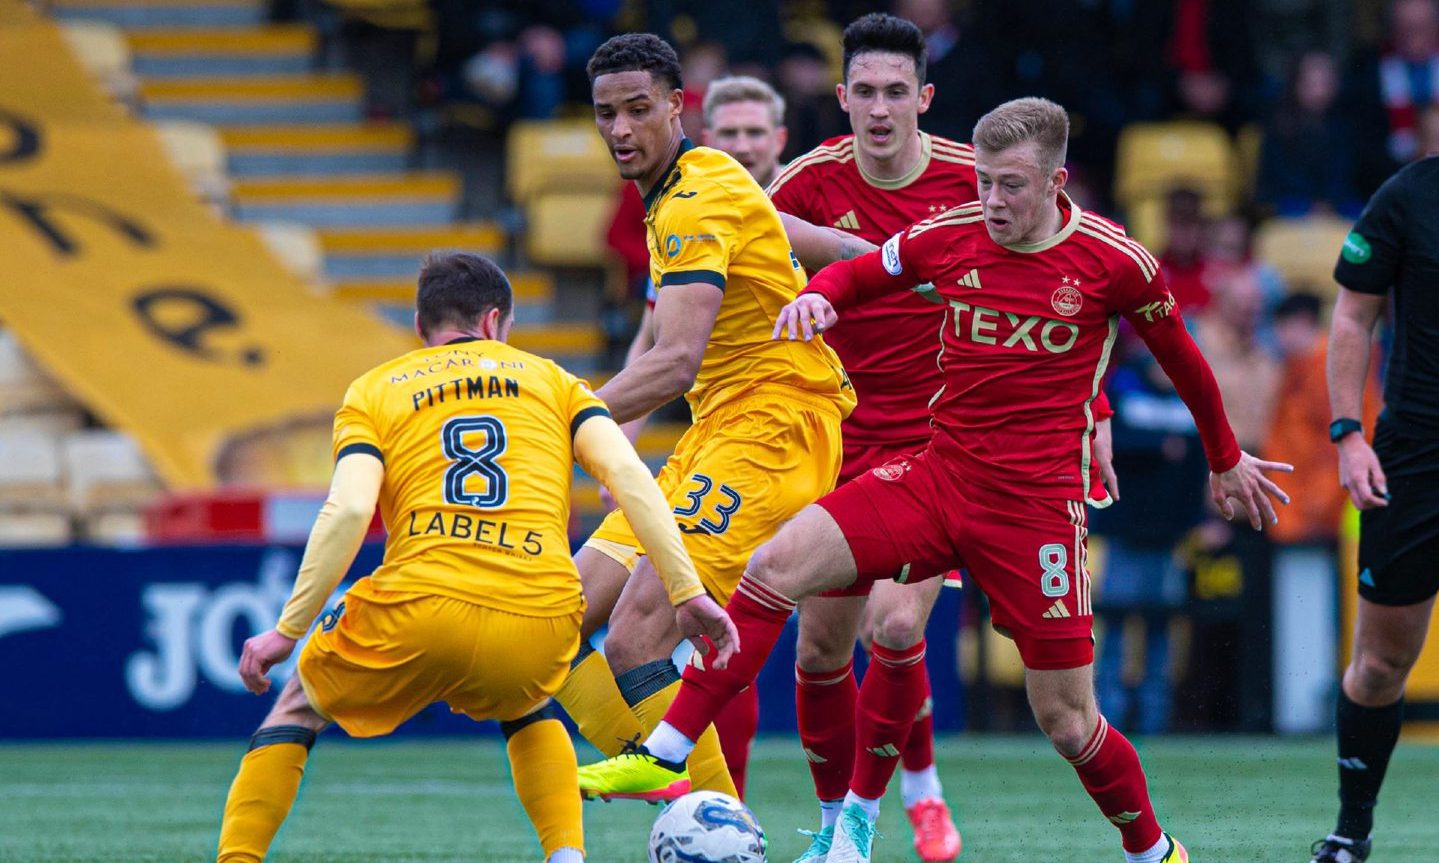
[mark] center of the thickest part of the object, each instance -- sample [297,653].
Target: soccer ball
[707,827]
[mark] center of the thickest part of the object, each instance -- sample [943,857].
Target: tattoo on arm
[853,247]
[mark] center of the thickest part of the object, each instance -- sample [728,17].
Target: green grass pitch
[1229,799]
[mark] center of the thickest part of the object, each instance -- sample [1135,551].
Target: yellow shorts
[735,477]
[386,656]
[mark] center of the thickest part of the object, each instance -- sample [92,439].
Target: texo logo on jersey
[986,326]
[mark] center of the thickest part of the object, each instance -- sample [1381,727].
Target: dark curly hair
[637,52]
[878,31]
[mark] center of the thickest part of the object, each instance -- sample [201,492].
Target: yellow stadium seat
[198,153]
[1154,158]
[567,228]
[1303,251]
[101,48]
[1247,147]
[544,155]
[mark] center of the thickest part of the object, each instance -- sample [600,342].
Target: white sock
[870,806]
[668,743]
[1153,855]
[566,855]
[917,785]
[829,812]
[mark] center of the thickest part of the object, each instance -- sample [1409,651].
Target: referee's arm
[1351,333]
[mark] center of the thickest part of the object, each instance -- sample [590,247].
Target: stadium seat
[106,471]
[198,153]
[31,473]
[567,229]
[1303,251]
[1154,158]
[101,48]
[49,422]
[34,529]
[543,155]
[113,527]
[24,387]
[297,247]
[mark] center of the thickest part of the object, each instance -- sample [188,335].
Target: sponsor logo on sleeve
[1356,248]
[675,242]
[890,256]
[1157,310]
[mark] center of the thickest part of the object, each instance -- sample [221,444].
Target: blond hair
[742,88]
[1029,119]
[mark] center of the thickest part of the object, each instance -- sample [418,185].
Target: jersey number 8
[1054,580]
[467,461]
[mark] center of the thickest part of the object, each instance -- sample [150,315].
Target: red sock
[825,704]
[1110,770]
[889,698]
[735,726]
[918,752]
[759,613]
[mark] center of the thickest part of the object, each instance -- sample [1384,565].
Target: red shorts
[910,520]
[859,459]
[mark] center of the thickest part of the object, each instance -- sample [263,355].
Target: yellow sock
[708,771]
[260,798]
[592,699]
[546,777]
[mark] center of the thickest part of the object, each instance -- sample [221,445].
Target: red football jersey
[887,345]
[1027,338]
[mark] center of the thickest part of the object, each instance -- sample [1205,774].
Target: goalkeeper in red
[1000,489]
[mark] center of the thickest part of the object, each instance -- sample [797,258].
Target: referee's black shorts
[1399,543]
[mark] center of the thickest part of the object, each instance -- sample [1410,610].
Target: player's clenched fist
[807,315]
[259,654]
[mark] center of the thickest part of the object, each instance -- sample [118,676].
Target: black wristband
[1342,427]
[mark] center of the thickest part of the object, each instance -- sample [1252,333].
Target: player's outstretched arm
[684,315]
[603,451]
[339,529]
[817,247]
[1351,331]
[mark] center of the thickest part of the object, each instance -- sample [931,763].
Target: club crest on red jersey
[892,471]
[1066,298]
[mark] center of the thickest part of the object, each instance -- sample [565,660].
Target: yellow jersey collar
[671,175]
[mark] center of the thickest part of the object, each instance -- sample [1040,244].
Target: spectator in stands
[960,66]
[523,60]
[1210,51]
[807,83]
[700,64]
[1157,451]
[1298,433]
[1429,133]
[1306,162]
[1227,331]
[1395,88]
[1183,255]
[1229,245]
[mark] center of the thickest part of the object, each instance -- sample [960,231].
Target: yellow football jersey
[709,221]
[477,441]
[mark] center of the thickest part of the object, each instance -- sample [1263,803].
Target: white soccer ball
[707,827]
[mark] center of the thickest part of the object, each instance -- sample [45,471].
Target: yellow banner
[161,318]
